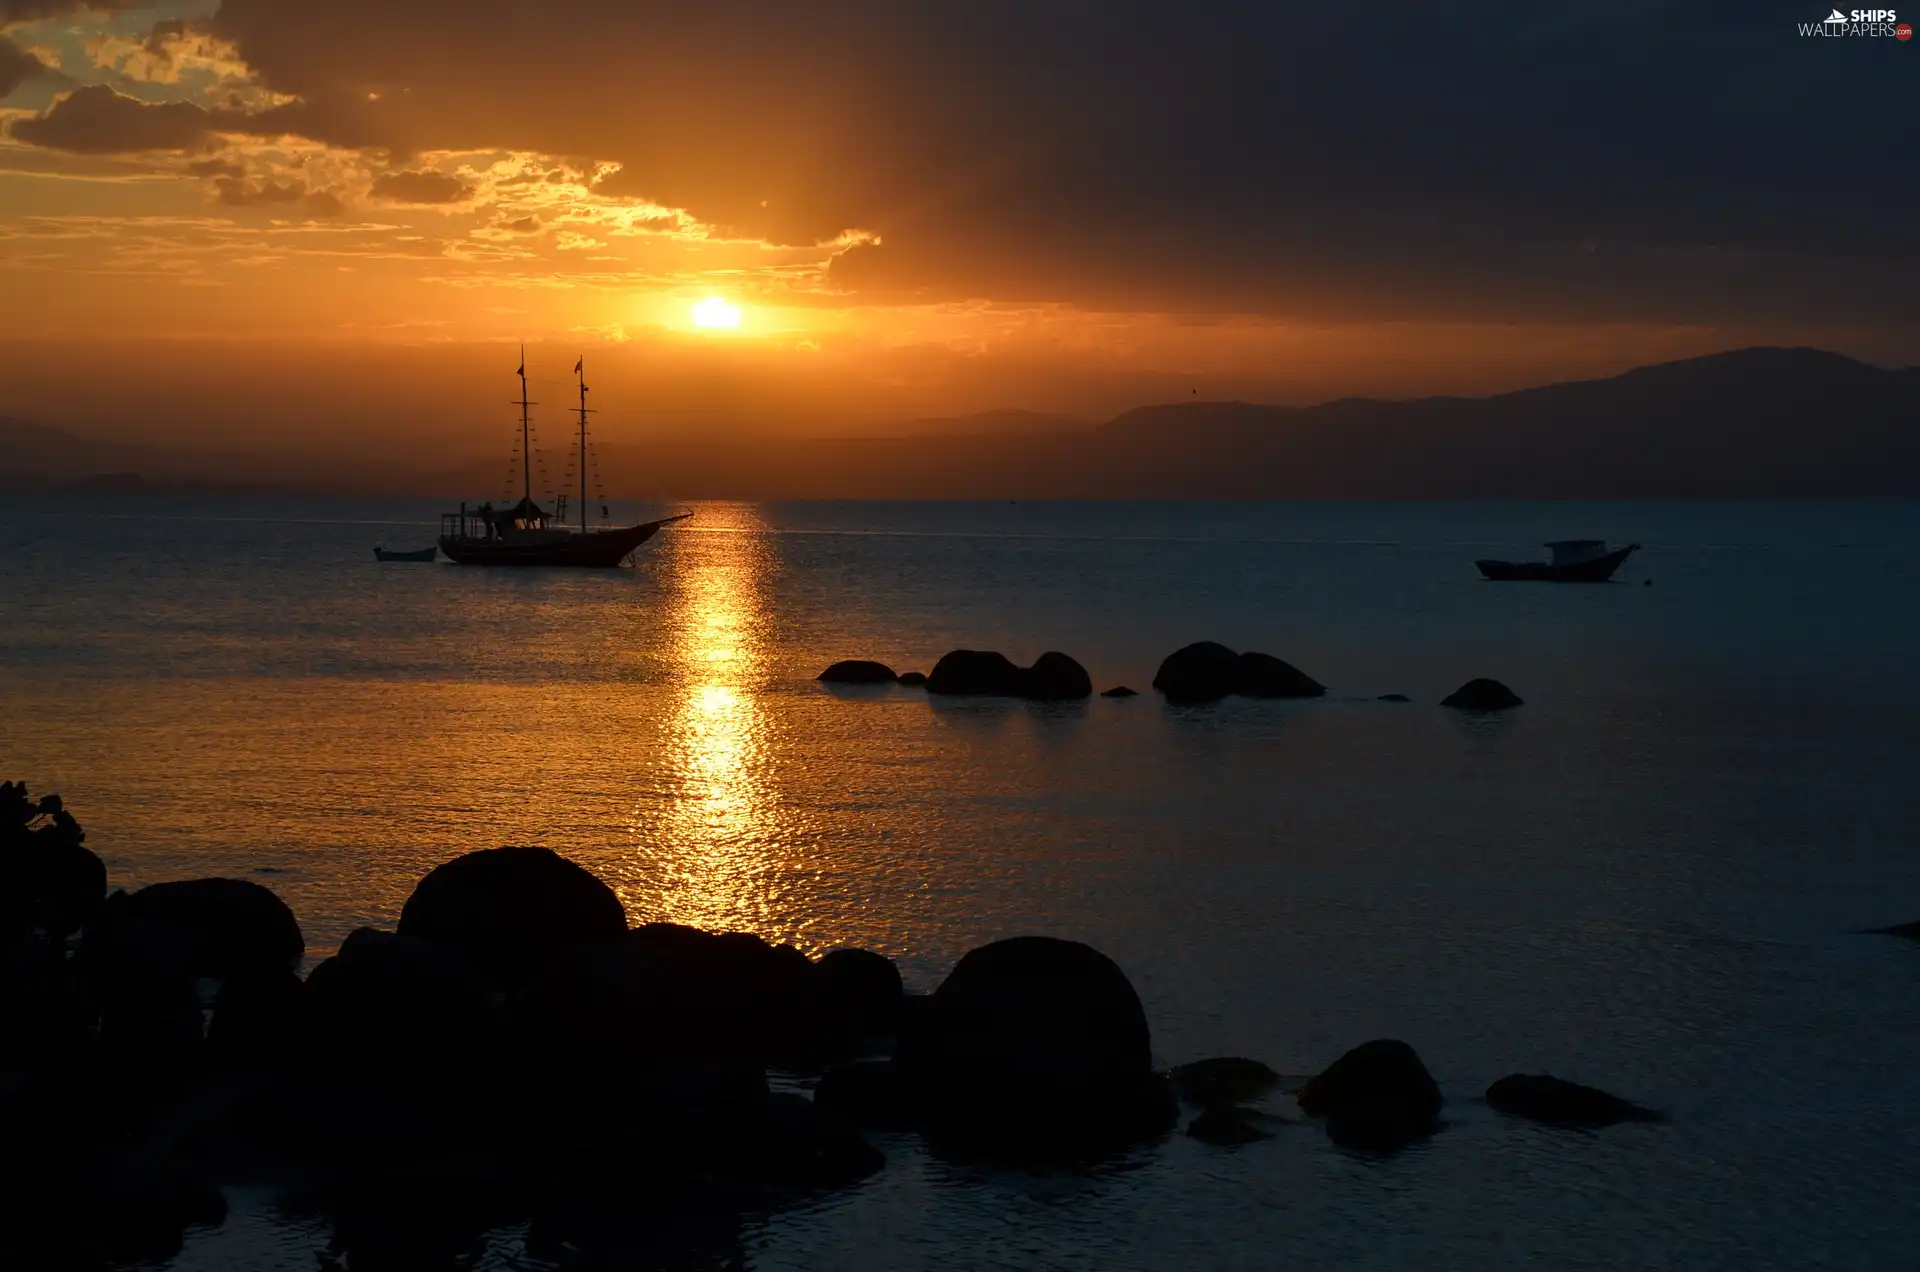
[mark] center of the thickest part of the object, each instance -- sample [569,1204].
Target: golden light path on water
[708,842]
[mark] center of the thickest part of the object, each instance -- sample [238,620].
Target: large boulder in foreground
[675,995]
[1377,1096]
[233,928]
[399,1009]
[509,909]
[1036,1042]
[1545,1098]
[1206,672]
[1482,694]
[858,671]
[859,993]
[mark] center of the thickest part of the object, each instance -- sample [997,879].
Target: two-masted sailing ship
[526,533]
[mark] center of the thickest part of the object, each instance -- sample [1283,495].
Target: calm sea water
[1642,879]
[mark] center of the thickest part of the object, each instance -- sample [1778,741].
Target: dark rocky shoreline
[517,1052]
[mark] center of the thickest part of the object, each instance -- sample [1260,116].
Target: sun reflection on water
[710,840]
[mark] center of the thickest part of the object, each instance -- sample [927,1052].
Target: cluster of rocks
[1197,673]
[515,1049]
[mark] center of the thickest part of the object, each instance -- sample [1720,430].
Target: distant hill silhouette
[1752,423]
[1749,423]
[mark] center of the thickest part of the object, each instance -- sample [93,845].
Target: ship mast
[526,449]
[580,369]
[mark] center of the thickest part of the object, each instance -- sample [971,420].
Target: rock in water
[1393,697]
[858,671]
[988,673]
[913,679]
[1546,1098]
[1120,691]
[1055,676]
[1376,1096]
[976,672]
[1481,695]
[1909,930]
[1036,1042]
[1264,676]
[1201,672]
[859,992]
[235,929]
[1222,1081]
[1225,1128]
[508,909]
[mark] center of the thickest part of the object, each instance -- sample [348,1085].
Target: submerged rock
[1223,1080]
[1226,1127]
[1546,1098]
[858,671]
[1482,695]
[1039,1042]
[508,909]
[1377,1096]
[913,679]
[1119,691]
[1393,697]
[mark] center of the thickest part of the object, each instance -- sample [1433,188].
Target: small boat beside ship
[412,554]
[1573,561]
[527,534]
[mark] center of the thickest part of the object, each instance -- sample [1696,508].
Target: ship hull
[600,550]
[1598,570]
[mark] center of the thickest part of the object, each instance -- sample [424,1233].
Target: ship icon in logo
[1836,16]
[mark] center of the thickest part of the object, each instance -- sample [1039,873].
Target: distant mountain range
[1752,423]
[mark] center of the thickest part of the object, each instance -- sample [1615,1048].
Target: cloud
[95,120]
[12,11]
[246,194]
[17,66]
[420,187]
[216,168]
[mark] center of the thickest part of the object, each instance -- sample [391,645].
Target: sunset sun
[714,312]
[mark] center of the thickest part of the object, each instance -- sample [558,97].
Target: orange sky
[326,219]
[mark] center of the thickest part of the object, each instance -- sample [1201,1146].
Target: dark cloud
[1394,161]
[420,187]
[96,120]
[33,10]
[325,204]
[17,66]
[248,194]
[216,168]
[524,225]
